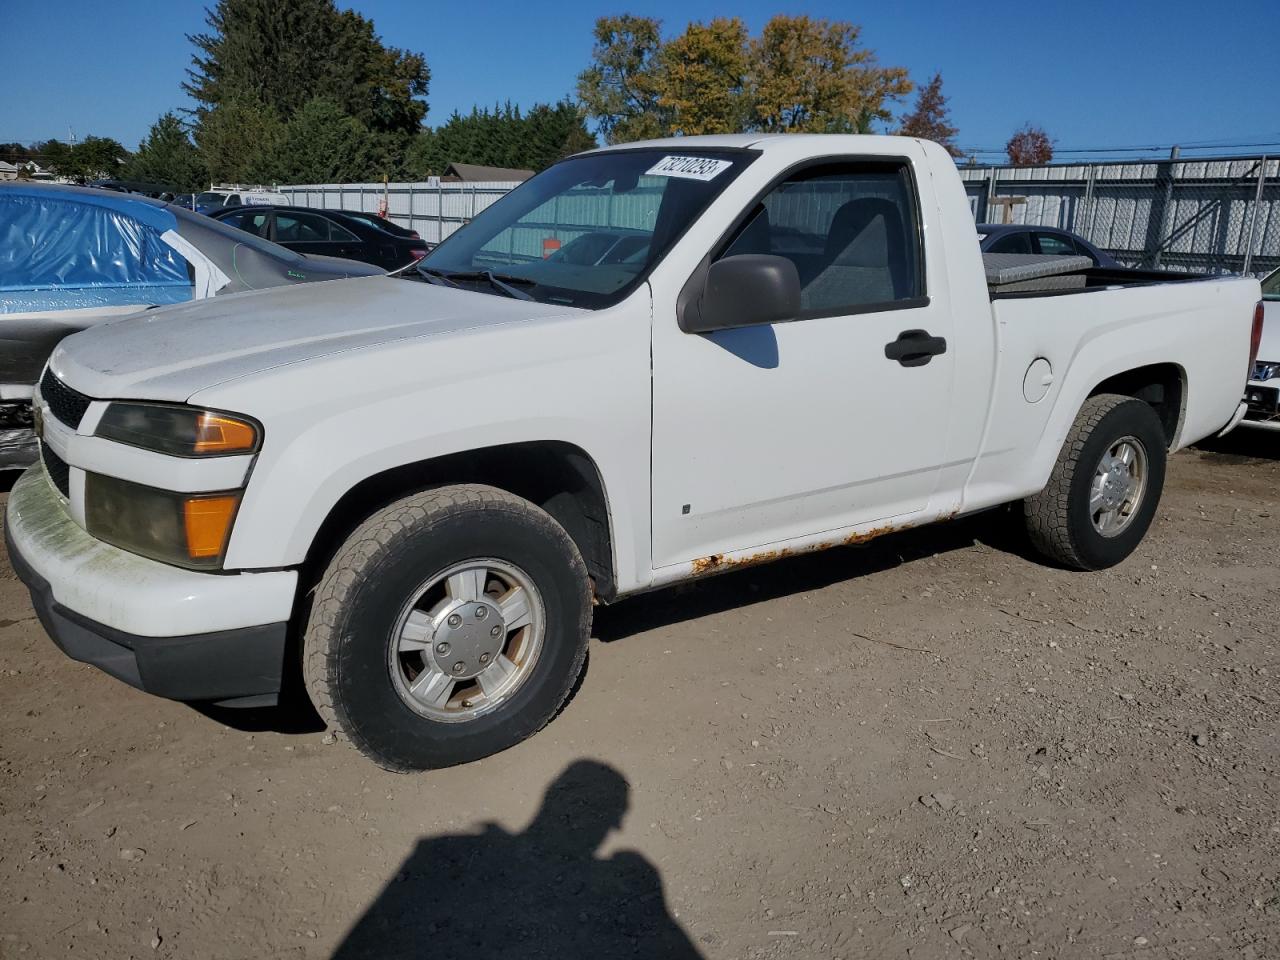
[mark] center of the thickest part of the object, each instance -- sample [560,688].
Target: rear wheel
[449,626]
[1105,487]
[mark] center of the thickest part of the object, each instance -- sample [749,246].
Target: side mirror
[744,291]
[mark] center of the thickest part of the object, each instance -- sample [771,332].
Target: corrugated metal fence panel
[1198,215]
[433,208]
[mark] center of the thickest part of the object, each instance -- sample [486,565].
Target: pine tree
[929,119]
[167,156]
[284,53]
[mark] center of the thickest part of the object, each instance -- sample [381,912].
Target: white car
[412,491]
[236,195]
[1263,392]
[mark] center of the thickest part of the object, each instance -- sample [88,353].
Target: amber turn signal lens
[216,433]
[208,521]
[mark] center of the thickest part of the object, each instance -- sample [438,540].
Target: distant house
[35,171]
[477,173]
[27,169]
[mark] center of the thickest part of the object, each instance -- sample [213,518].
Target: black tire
[359,601]
[1059,519]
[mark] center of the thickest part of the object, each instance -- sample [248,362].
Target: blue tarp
[63,249]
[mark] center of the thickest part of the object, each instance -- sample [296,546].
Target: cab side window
[851,229]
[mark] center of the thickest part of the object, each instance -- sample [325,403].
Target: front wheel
[449,626]
[1105,487]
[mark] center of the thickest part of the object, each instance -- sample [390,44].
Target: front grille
[64,403]
[56,468]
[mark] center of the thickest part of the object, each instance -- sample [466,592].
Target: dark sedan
[1030,238]
[383,223]
[329,232]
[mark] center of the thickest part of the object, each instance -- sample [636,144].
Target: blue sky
[1094,74]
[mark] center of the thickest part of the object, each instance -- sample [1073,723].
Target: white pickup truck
[410,491]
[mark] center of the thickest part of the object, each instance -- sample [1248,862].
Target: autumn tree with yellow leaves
[801,74]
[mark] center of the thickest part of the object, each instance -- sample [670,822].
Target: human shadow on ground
[543,893]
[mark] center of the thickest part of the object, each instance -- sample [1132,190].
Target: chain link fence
[1219,215]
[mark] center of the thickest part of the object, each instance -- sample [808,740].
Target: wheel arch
[1163,386]
[559,477]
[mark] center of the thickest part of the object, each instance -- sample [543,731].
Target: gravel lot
[931,746]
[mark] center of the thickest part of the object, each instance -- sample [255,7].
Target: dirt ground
[929,747]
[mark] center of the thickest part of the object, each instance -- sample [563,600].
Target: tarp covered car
[71,257]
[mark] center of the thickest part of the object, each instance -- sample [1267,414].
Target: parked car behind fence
[1048,241]
[330,232]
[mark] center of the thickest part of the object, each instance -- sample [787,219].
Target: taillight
[419,254]
[1255,338]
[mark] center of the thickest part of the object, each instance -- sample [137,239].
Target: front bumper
[175,633]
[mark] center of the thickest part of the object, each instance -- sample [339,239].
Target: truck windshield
[587,230]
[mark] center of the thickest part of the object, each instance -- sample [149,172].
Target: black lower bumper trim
[226,665]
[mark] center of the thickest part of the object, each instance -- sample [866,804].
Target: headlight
[187,529]
[179,431]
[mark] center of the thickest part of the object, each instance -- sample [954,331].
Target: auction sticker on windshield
[689,168]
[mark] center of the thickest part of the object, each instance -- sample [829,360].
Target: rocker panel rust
[720,563]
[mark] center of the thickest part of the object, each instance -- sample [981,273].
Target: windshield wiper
[502,282]
[432,275]
[499,281]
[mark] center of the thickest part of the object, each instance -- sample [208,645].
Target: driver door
[763,434]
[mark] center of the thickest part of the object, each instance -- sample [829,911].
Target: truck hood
[171,353]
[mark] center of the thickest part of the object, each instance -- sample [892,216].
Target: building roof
[479,173]
[8,167]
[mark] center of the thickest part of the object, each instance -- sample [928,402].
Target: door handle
[915,348]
